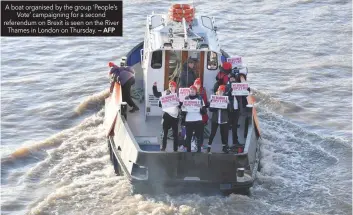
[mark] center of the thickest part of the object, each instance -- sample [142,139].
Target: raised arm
[155,91]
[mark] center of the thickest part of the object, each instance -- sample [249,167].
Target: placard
[191,105]
[183,92]
[235,61]
[170,100]
[240,89]
[219,102]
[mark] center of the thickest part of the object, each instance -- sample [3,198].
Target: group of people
[195,122]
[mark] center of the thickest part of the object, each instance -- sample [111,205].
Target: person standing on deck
[188,75]
[202,92]
[126,77]
[170,116]
[219,117]
[234,112]
[222,76]
[193,120]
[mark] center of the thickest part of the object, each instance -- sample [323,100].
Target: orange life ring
[179,11]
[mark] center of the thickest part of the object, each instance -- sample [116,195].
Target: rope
[138,94]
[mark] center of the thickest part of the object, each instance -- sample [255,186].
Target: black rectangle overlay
[61,18]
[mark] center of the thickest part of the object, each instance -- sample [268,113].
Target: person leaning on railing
[170,116]
[126,77]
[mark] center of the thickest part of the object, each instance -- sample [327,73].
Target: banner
[235,61]
[183,92]
[191,105]
[171,100]
[219,102]
[240,89]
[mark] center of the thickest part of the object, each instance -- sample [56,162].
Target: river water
[299,54]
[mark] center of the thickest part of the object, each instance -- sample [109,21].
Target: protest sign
[171,100]
[183,92]
[235,61]
[191,105]
[219,102]
[240,89]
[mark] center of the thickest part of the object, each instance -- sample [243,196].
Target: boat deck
[150,131]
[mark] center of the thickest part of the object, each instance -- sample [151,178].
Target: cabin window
[212,61]
[156,62]
[207,22]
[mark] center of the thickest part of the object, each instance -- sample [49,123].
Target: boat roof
[166,34]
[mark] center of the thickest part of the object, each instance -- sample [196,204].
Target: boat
[134,138]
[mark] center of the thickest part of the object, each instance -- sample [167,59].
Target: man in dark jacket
[188,75]
[126,77]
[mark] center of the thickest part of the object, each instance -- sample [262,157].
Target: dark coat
[187,77]
[224,114]
[123,74]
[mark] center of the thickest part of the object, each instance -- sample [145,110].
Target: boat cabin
[167,46]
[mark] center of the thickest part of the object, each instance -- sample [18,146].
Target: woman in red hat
[222,76]
[219,118]
[193,120]
[202,92]
[170,116]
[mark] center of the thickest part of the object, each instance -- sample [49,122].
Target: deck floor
[152,127]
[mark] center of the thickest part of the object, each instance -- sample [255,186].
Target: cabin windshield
[176,61]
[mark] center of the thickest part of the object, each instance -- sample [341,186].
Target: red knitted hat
[193,87]
[222,88]
[172,83]
[227,66]
[197,81]
[111,64]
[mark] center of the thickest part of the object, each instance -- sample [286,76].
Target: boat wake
[92,101]
[301,172]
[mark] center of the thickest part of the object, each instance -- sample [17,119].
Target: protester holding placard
[234,112]
[193,120]
[219,118]
[202,92]
[170,116]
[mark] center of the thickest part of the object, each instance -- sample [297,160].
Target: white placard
[235,61]
[191,105]
[183,92]
[219,102]
[240,89]
[170,100]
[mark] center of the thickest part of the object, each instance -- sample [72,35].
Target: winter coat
[222,112]
[203,94]
[187,77]
[123,74]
